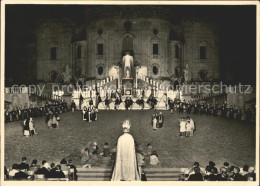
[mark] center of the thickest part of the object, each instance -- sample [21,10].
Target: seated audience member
[149,149]
[58,172]
[73,170]
[15,169]
[34,166]
[95,148]
[210,166]
[226,165]
[85,158]
[45,170]
[23,164]
[213,176]
[223,176]
[21,175]
[250,176]
[140,160]
[245,170]
[195,165]
[63,166]
[237,176]
[154,158]
[52,171]
[197,176]
[106,150]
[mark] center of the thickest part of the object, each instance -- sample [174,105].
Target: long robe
[125,168]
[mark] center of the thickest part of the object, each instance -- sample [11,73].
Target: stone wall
[53,33]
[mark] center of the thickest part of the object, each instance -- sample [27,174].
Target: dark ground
[217,139]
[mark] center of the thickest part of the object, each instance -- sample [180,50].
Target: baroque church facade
[161,47]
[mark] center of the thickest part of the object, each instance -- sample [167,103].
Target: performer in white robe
[125,168]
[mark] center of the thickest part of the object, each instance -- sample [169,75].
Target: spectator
[245,170]
[21,175]
[250,176]
[154,158]
[95,148]
[64,166]
[45,170]
[106,150]
[52,171]
[226,165]
[23,165]
[213,176]
[15,169]
[73,174]
[223,176]
[58,172]
[195,165]
[197,176]
[237,176]
[34,166]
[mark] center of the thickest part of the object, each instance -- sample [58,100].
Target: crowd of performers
[51,111]
[203,109]
[22,113]
[89,113]
[187,127]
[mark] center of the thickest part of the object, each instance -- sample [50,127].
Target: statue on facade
[186,73]
[67,74]
[128,66]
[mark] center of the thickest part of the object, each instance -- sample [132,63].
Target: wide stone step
[163,175]
[163,179]
[94,174]
[94,169]
[93,179]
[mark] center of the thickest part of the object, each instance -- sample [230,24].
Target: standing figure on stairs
[125,168]
[128,66]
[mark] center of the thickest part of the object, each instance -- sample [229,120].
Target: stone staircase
[152,174]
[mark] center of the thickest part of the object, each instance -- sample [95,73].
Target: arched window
[155,69]
[78,53]
[100,70]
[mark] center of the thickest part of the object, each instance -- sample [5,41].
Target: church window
[100,49]
[100,70]
[53,53]
[202,52]
[155,49]
[78,54]
[155,69]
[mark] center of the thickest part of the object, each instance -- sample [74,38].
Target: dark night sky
[237,31]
